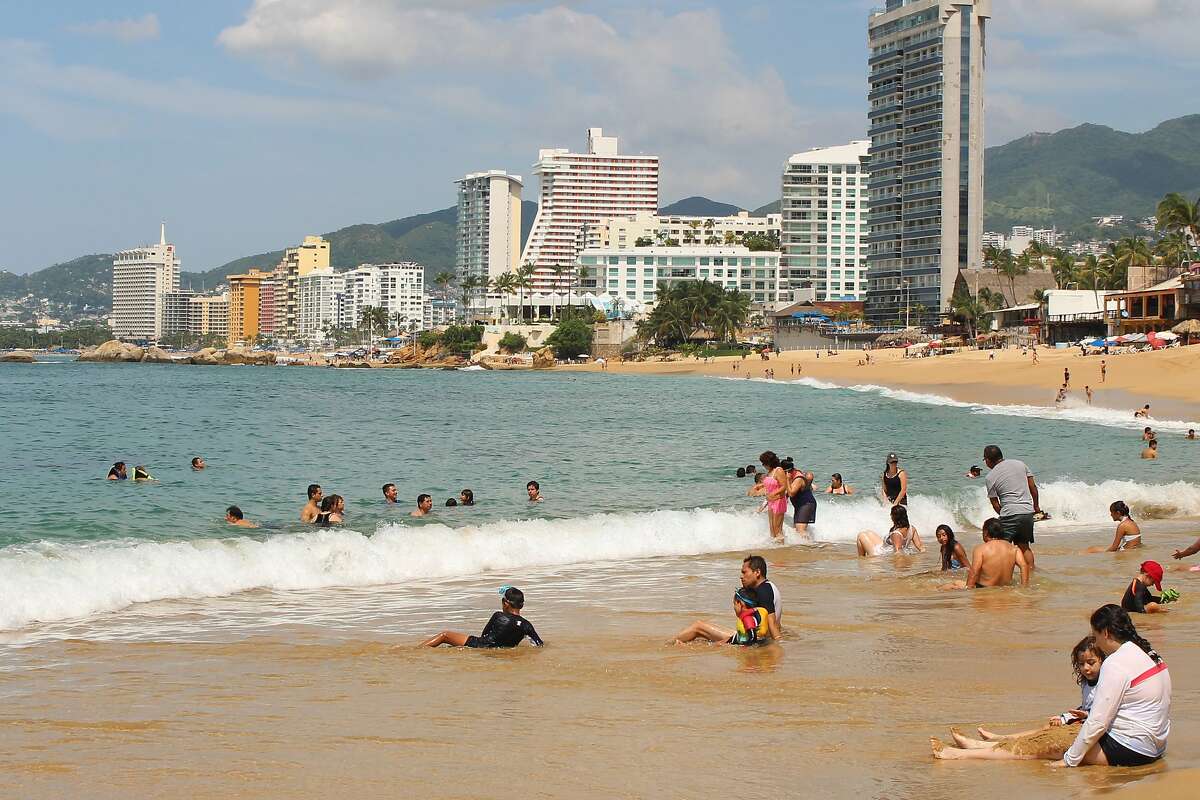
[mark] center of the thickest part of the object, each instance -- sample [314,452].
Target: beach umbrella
[1188,328]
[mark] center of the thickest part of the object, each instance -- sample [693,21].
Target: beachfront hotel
[245,305]
[633,274]
[319,303]
[824,212]
[399,289]
[140,278]
[489,228]
[580,189]
[623,232]
[186,312]
[312,254]
[926,157]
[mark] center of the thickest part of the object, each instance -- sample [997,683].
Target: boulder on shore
[17,357]
[156,355]
[206,357]
[544,358]
[113,350]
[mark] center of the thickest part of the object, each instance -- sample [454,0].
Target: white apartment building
[399,289]
[489,227]
[634,273]
[580,189]
[438,312]
[825,221]
[993,239]
[319,303]
[208,315]
[622,232]
[177,311]
[140,278]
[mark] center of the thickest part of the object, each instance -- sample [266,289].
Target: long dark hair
[900,517]
[948,547]
[769,459]
[1085,645]
[1119,507]
[1116,622]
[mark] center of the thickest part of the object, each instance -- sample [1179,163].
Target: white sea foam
[1071,411]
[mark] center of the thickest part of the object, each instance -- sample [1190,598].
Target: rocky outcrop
[206,357]
[113,350]
[17,357]
[543,359]
[156,355]
[505,362]
[417,356]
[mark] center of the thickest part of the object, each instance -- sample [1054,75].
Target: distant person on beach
[776,484]
[1061,396]
[1066,376]
[332,510]
[837,485]
[974,472]
[198,463]
[234,516]
[1127,536]
[1088,391]
[313,506]
[117,472]
[505,629]
[753,624]
[1131,711]
[1013,493]
[389,493]
[466,498]
[534,490]
[424,505]
[902,538]
[1191,434]
[1143,412]
[1103,368]
[953,554]
[894,482]
[140,473]
[1138,598]
[754,577]
[994,562]
[804,502]
[1151,450]
[1047,743]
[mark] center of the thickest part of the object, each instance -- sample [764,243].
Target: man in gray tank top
[1014,495]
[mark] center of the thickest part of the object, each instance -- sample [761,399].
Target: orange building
[245,297]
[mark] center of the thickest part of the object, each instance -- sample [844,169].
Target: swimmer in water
[894,482]
[506,628]
[424,505]
[466,498]
[752,624]
[1047,743]
[332,509]
[1150,452]
[451,502]
[1143,412]
[198,463]
[313,506]
[953,554]
[837,485]
[389,494]
[1127,536]
[902,538]
[534,490]
[1191,434]
[1147,433]
[994,562]
[974,472]
[804,503]
[233,515]
[140,473]
[117,472]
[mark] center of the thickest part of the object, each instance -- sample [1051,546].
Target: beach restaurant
[1156,308]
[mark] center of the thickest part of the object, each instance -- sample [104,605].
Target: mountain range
[1058,179]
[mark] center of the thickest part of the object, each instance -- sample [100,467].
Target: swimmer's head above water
[513,597]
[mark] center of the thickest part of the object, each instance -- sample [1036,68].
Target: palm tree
[504,285]
[1065,270]
[1012,268]
[1172,249]
[1177,215]
[524,280]
[1132,251]
[443,281]
[372,318]
[969,310]
[466,288]
[992,256]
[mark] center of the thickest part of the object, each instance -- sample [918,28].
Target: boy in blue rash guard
[506,628]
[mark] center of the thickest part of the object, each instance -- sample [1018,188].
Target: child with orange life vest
[751,624]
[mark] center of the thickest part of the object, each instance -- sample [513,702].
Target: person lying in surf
[505,629]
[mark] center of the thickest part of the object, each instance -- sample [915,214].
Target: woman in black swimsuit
[332,508]
[895,482]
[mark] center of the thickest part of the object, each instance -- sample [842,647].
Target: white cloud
[125,30]
[1090,28]
[666,83]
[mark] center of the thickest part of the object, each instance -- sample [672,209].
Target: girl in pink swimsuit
[775,482]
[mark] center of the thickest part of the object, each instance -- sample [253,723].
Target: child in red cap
[1138,598]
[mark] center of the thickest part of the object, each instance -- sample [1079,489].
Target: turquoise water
[635,450]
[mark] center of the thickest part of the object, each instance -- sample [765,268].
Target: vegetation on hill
[686,309]
[698,207]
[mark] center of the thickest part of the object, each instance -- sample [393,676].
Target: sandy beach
[1167,379]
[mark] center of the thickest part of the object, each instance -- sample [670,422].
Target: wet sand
[199,699]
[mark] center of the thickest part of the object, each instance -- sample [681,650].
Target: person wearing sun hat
[1138,598]
[506,628]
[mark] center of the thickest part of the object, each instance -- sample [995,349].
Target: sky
[246,124]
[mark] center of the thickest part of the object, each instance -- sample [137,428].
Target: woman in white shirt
[1131,709]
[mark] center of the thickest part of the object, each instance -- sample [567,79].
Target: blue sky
[249,123]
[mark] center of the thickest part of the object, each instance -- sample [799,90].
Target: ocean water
[633,469]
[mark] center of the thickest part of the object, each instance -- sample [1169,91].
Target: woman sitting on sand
[1047,743]
[953,554]
[903,537]
[1127,536]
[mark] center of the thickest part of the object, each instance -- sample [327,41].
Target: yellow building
[245,299]
[312,254]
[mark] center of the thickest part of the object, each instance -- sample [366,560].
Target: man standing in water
[1014,495]
[754,577]
[313,507]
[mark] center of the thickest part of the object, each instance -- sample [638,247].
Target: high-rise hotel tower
[926,157]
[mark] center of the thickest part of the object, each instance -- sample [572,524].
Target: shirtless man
[1151,450]
[234,516]
[424,505]
[994,561]
[313,506]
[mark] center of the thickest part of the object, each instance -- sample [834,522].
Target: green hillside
[698,207]
[1064,179]
[81,283]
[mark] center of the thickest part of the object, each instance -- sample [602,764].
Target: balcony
[914,120]
[916,177]
[885,128]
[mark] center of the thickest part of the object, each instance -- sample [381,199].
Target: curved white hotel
[140,279]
